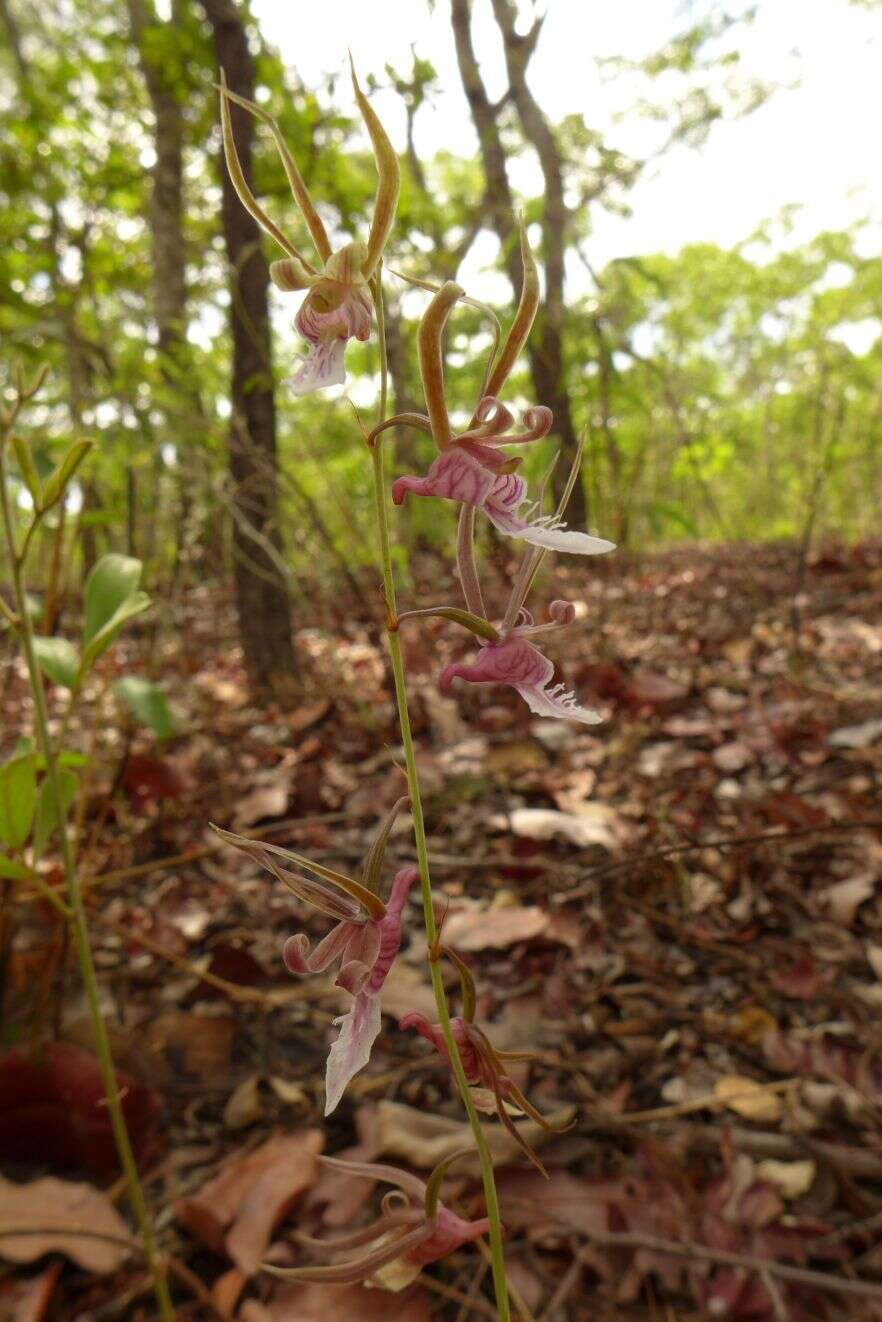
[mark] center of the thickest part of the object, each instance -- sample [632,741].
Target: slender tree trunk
[545,349]
[261,595]
[182,402]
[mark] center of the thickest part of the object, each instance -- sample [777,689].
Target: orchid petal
[347,1273]
[372,1170]
[389,179]
[237,174]
[322,367]
[352,1050]
[370,873]
[390,927]
[516,662]
[298,188]
[296,956]
[291,274]
[560,707]
[523,320]
[359,958]
[353,905]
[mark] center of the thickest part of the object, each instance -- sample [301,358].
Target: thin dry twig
[781,1270]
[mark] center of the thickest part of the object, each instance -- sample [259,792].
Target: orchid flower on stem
[365,940]
[471,467]
[484,1065]
[415,1228]
[337,306]
[396,656]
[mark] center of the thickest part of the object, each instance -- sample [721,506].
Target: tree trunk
[545,349]
[182,403]
[261,594]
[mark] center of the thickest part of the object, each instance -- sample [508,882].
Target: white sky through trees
[812,145]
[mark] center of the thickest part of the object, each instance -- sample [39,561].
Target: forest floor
[679,911]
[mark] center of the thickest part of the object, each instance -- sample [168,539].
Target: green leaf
[113,580]
[130,607]
[28,470]
[46,820]
[57,482]
[12,870]
[18,797]
[58,659]
[147,703]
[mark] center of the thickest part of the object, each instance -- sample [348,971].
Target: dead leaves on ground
[58,1216]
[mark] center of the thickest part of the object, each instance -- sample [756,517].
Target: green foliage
[59,659]
[147,703]
[18,799]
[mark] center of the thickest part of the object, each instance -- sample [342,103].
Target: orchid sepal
[475,624]
[367,904]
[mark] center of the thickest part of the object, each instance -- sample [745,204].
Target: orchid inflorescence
[474,469]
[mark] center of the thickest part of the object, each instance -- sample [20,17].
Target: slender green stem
[77,918]
[419,829]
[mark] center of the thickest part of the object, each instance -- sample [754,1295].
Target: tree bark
[261,595]
[545,348]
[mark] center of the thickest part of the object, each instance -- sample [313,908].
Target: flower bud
[562,612]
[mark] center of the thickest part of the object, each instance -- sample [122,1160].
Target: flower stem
[77,915]
[419,829]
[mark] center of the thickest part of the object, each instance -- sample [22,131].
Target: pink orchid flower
[365,940]
[337,306]
[512,659]
[415,1228]
[470,469]
[484,1066]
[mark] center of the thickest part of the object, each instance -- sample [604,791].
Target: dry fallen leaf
[267,800]
[422,1139]
[845,897]
[790,1178]
[747,1098]
[593,824]
[493,929]
[57,1211]
[27,1299]
[407,988]
[356,1303]
[244,1105]
[251,1195]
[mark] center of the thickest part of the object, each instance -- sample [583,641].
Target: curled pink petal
[492,419]
[359,958]
[296,956]
[516,662]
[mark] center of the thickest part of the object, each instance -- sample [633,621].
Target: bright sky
[813,144]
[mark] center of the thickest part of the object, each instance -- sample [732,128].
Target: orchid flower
[337,306]
[415,1228]
[470,467]
[365,940]
[507,655]
[483,1064]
